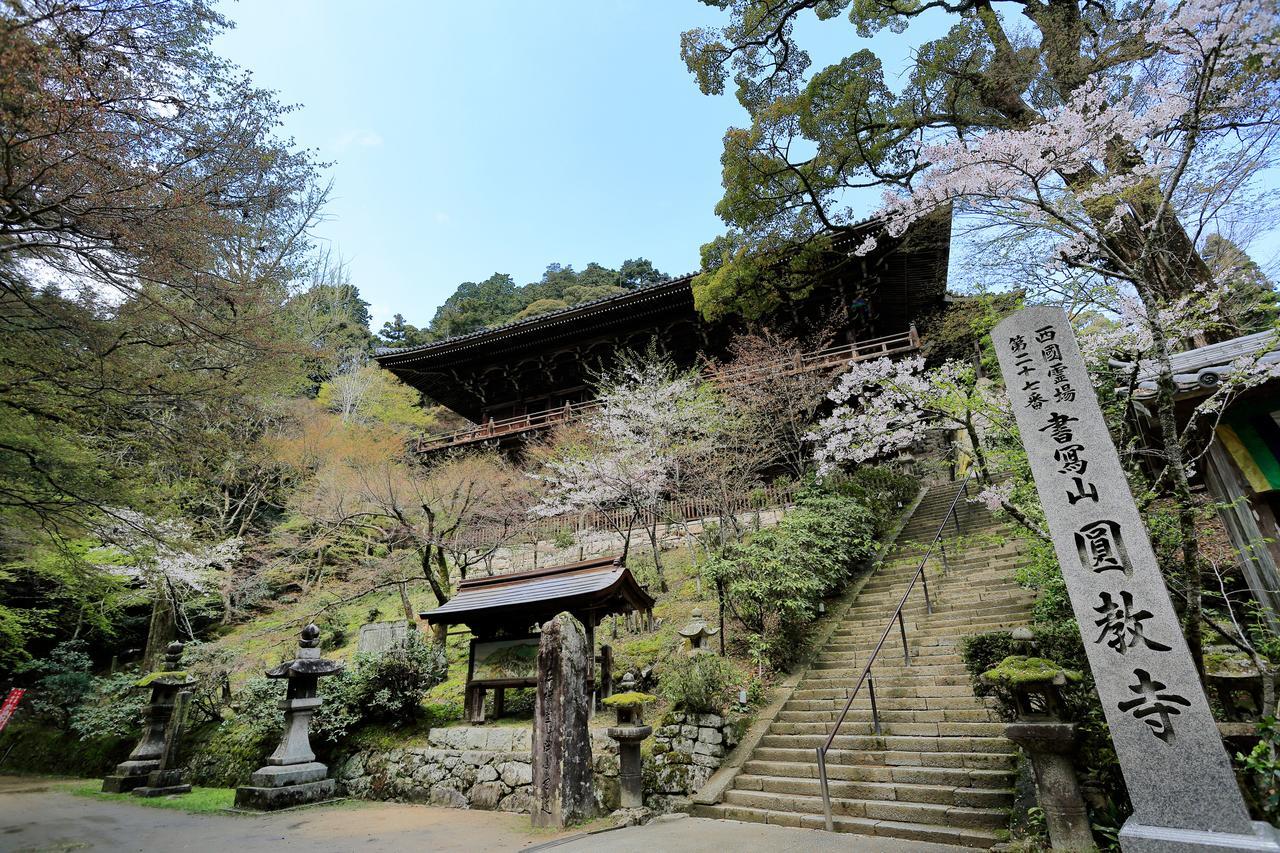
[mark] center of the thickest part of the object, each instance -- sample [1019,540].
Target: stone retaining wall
[468,767]
[687,749]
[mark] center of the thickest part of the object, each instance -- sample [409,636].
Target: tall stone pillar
[562,787]
[1184,793]
[147,755]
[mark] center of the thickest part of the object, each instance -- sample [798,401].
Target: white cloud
[358,139]
[441,217]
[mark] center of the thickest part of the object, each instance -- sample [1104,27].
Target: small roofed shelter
[504,614]
[1242,466]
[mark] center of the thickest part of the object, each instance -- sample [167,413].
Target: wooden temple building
[517,379]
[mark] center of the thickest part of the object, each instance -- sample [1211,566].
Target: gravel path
[37,816]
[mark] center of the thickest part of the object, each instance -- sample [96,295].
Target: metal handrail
[902,630]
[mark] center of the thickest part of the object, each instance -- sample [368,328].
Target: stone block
[706,760]
[690,732]
[443,795]
[517,801]
[271,799]
[123,784]
[487,773]
[485,795]
[708,735]
[294,774]
[516,773]
[712,749]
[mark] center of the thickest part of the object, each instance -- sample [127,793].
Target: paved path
[37,817]
[703,835]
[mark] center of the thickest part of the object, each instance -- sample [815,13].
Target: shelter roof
[602,586]
[1201,370]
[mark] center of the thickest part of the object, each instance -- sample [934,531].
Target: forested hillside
[498,299]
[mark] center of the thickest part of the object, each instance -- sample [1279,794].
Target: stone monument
[698,634]
[292,776]
[1184,794]
[380,636]
[166,779]
[147,756]
[562,789]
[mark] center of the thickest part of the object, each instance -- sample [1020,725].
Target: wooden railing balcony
[824,359]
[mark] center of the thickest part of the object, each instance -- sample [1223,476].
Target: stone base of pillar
[162,783]
[1140,838]
[129,775]
[285,796]
[123,783]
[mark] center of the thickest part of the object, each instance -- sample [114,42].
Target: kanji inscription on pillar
[1177,771]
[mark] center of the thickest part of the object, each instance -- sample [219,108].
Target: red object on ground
[10,705]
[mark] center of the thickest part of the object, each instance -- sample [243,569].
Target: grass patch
[199,801]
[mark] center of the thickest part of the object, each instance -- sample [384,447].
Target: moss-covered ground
[199,801]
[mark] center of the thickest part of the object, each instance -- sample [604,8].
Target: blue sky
[473,138]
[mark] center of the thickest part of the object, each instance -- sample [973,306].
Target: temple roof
[395,356]
[1201,370]
[551,360]
[599,586]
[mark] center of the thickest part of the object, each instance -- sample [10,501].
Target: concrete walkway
[704,835]
[36,816]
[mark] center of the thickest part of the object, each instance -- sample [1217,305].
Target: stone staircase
[941,771]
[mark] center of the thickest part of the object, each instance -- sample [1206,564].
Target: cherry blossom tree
[166,560]
[632,452]
[885,406]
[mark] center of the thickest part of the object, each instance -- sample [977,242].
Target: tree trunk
[652,530]
[409,615]
[160,630]
[1193,587]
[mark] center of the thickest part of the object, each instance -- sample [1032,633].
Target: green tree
[1252,304]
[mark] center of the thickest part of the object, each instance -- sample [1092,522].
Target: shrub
[773,583]
[257,707]
[883,491]
[112,709]
[385,687]
[701,684]
[61,683]
[1263,770]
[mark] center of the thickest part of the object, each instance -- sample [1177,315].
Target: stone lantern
[157,748]
[293,776]
[1035,685]
[698,634]
[629,732]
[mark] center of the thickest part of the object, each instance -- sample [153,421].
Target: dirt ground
[39,816]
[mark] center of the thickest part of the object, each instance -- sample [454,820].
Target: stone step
[939,626]
[894,702]
[959,836]
[901,792]
[960,777]
[890,758]
[926,813]
[892,743]
[889,728]
[806,711]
